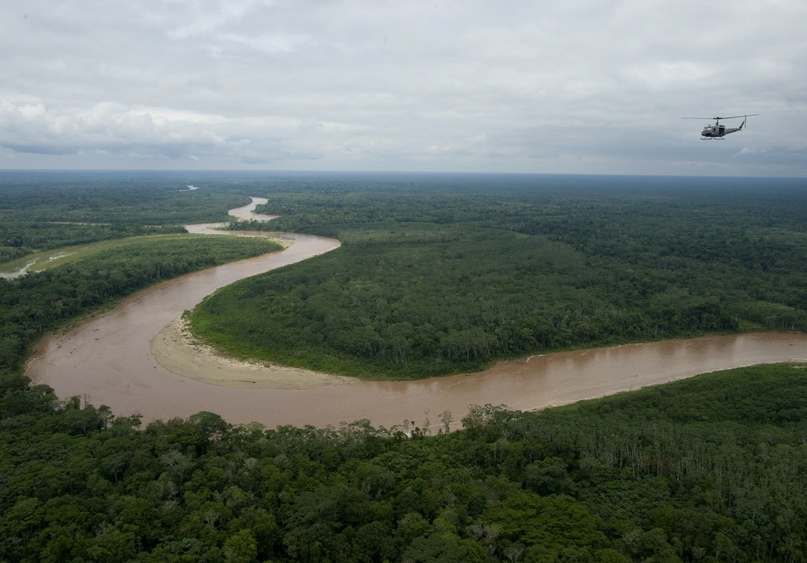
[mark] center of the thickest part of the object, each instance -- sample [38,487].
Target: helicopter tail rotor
[745,118]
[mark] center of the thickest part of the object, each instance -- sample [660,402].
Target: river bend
[108,360]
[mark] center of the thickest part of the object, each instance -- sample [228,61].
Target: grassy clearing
[46,260]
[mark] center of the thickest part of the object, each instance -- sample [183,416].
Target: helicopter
[718,131]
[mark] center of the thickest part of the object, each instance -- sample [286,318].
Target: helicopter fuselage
[718,131]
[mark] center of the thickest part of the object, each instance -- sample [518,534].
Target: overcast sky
[569,86]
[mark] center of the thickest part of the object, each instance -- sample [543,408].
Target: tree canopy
[454,268]
[707,469]
[442,274]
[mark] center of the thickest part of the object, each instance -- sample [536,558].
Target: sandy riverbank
[178,351]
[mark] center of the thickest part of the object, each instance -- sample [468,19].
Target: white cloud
[583,86]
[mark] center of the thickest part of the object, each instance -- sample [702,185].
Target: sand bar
[178,351]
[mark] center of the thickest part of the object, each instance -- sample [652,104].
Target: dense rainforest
[708,469]
[445,274]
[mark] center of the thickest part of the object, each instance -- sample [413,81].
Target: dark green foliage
[708,469]
[445,274]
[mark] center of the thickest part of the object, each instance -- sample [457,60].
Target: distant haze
[583,86]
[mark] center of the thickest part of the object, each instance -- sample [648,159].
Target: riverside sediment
[177,350]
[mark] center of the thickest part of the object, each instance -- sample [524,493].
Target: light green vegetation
[50,210]
[61,256]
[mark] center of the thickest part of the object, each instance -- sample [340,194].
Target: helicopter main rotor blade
[721,118]
[737,116]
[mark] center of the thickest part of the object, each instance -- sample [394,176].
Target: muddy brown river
[108,360]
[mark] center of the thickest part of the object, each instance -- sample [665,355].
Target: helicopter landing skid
[713,138]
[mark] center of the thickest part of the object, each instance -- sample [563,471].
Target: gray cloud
[582,86]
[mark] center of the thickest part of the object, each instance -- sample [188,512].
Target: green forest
[436,273]
[708,469]
[448,275]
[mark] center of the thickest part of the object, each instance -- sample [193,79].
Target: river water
[108,360]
